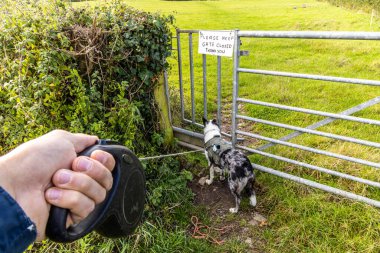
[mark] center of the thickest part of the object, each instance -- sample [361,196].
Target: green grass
[300,219]
[366,5]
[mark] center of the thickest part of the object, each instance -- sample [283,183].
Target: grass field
[300,219]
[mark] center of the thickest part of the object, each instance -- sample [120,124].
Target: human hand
[47,171]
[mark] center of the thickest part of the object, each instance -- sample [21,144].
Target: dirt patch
[246,226]
[216,197]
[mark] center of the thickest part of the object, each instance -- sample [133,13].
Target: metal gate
[193,138]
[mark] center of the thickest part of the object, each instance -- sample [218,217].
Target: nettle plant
[90,70]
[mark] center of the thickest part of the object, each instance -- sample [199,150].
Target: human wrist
[6,175]
[13,171]
[11,179]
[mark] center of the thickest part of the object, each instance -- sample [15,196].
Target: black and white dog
[222,157]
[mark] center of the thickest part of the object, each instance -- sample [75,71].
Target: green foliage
[94,71]
[89,70]
[169,198]
[366,5]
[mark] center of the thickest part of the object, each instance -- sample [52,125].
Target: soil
[247,226]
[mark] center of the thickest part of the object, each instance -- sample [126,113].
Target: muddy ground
[247,226]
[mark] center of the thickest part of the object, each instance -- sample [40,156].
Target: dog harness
[215,148]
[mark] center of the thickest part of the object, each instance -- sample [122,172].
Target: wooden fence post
[163,112]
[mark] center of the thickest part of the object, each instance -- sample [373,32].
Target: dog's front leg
[209,181]
[222,174]
[219,170]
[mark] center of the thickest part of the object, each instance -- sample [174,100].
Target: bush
[365,5]
[92,71]
[83,70]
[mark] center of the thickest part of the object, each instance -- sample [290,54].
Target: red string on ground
[204,232]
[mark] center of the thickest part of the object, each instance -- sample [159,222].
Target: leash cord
[168,155]
[204,232]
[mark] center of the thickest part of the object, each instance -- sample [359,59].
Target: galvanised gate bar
[236,115]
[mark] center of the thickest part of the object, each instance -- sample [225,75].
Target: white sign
[219,43]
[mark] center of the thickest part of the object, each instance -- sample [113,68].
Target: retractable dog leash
[121,211]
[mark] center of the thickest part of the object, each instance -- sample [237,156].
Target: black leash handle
[121,211]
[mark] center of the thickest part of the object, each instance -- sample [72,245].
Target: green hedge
[93,71]
[366,5]
[88,70]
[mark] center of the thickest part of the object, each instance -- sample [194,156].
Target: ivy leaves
[83,70]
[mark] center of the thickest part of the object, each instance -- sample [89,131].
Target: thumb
[82,141]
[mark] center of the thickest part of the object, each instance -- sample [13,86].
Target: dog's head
[211,127]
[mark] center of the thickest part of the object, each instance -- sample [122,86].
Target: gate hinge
[244,53]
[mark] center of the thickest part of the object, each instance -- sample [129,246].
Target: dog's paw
[252,201]
[233,210]
[208,181]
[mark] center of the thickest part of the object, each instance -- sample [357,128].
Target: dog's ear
[204,121]
[215,122]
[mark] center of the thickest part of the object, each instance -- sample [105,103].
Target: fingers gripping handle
[56,227]
[113,213]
